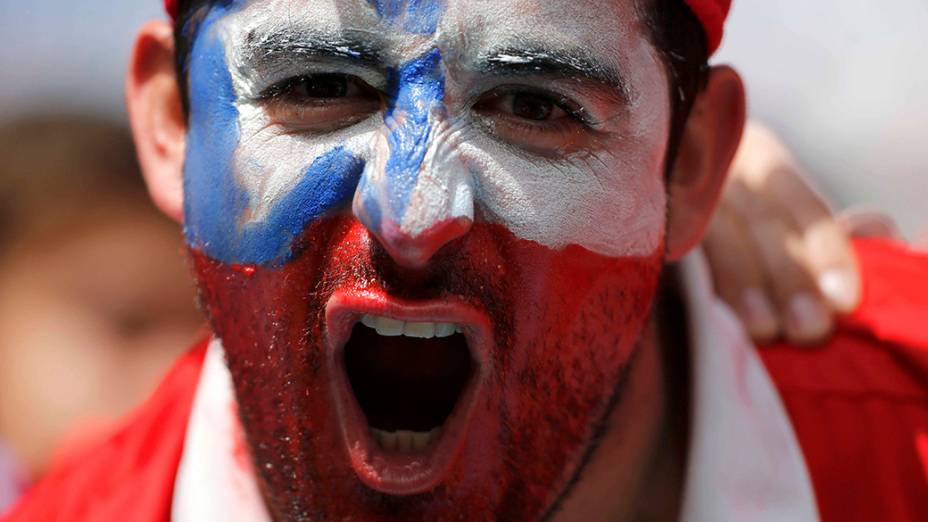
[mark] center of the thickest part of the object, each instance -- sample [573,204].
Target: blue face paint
[329,182]
[417,89]
[418,16]
[214,202]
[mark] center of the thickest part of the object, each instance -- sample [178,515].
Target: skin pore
[354,168]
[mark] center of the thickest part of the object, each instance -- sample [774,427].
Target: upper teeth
[422,330]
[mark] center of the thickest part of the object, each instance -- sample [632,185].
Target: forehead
[605,29]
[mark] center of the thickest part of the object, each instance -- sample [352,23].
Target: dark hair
[679,36]
[673,28]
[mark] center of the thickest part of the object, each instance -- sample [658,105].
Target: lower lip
[391,472]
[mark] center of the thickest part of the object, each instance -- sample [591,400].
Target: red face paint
[563,326]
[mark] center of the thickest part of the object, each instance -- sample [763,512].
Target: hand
[778,256]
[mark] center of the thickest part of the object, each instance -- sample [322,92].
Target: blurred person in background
[95,299]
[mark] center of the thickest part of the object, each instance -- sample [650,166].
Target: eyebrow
[270,48]
[574,64]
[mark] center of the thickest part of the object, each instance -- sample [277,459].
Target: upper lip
[343,310]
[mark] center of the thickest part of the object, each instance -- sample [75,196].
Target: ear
[707,147]
[158,125]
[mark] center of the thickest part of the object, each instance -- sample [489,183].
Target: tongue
[404,383]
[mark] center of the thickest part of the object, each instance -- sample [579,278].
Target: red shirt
[128,476]
[859,406]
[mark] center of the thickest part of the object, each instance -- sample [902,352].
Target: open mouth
[406,376]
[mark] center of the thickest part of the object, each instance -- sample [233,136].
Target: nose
[415,195]
[413,244]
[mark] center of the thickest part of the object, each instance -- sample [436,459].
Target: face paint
[417,16]
[508,185]
[418,93]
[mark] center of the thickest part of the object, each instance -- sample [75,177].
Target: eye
[525,105]
[541,122]
[317,86]
[320,102]
[534,107]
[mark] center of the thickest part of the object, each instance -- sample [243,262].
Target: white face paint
[597,184]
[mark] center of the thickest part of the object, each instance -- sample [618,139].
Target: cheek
[567,323]
[610,203]
[271,162]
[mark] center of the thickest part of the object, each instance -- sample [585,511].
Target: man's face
[428,234]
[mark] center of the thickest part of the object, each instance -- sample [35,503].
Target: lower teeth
[403,440]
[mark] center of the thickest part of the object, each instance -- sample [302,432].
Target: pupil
[324,86]
[532,107]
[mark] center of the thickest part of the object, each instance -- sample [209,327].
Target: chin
[469,389]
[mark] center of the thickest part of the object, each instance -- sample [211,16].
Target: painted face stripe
[417,16]
[216,205]
[416,93]
[211,198]
[412,178]
[327,184]
[418,88]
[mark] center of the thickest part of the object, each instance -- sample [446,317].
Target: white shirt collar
[744,460]
[216,480]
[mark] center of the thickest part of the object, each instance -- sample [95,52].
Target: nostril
[415,250]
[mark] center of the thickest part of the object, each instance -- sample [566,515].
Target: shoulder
[128,475]
[859,404]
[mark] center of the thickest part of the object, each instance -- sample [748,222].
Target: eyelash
[570,107]
[279,89]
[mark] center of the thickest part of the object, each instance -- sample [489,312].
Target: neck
[662,495]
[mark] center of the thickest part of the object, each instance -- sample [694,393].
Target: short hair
[672,26]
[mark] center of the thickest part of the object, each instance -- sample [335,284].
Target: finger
[738,275]
[830,254]
[805,317]
[827,248]
[868,224]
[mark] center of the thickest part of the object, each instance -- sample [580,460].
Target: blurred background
[843,82]
[95,296]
